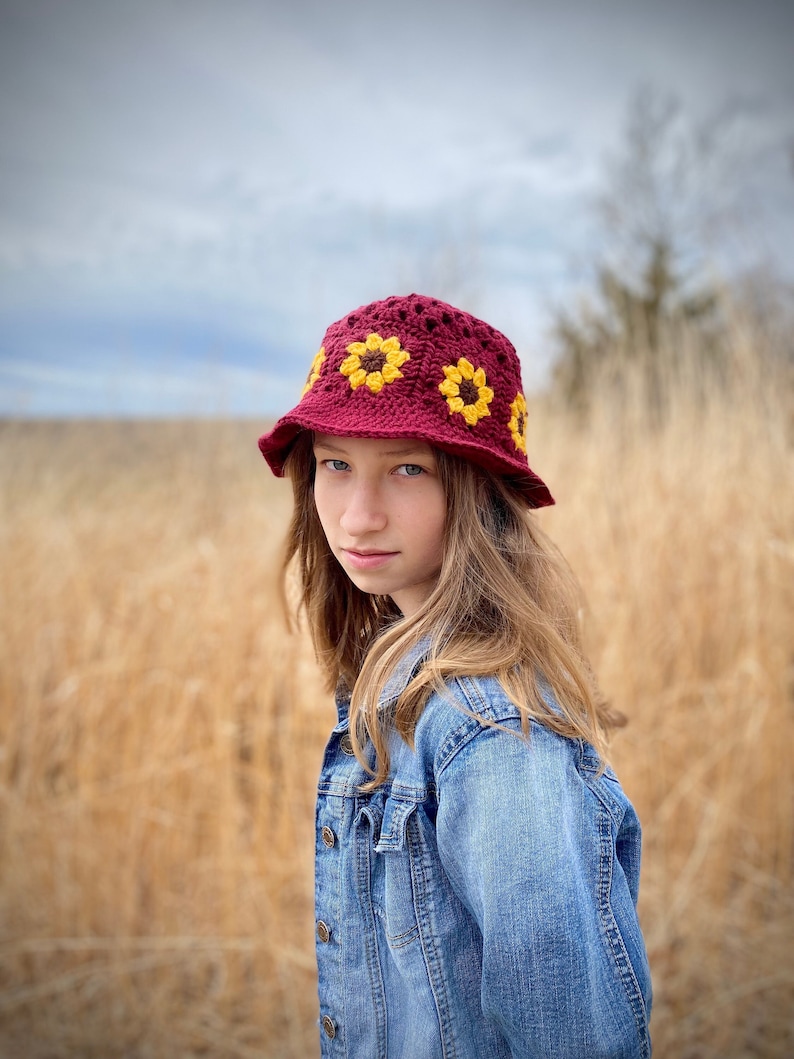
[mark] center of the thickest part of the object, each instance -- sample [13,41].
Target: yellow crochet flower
[374,362]
[465,391]
[314,371]
[518,422]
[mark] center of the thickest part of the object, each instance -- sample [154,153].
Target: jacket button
[328,837]
[329,1026]
[346,743]
[323,931]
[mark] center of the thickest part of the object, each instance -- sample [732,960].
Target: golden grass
[160,733]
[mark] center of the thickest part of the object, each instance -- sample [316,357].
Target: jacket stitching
[429,949]
[372,957]
[611,929]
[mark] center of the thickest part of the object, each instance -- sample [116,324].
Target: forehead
[381,447]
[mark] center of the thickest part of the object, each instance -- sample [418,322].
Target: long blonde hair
[506,604]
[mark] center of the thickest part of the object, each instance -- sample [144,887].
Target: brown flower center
[469,392]
[373,361]
[521,420]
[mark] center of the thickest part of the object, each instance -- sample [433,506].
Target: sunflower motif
[465,391]
[374,362]
[518,422]
[314,371]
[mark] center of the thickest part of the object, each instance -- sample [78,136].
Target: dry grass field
[160,732]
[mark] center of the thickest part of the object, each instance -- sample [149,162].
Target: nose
[364,511]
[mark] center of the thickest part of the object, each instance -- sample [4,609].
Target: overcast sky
[190,192]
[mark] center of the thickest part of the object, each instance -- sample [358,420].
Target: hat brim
[276,444]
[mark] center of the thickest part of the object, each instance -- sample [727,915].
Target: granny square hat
[415,367]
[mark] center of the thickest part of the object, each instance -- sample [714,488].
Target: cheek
[322,506]
[436,516]
[440,539]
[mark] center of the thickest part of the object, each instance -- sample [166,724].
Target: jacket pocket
[392,872]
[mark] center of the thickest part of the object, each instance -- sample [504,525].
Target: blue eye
[336,465]
[411,470]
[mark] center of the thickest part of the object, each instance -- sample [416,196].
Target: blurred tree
[662,198]
[636,320]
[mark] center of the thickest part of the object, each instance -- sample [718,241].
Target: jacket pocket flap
[394,826]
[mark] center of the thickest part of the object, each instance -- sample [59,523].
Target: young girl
[477,863]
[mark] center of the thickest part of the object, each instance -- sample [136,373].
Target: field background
[160,732]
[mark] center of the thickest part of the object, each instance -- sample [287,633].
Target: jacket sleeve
[530,848]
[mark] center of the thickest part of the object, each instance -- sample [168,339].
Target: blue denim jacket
[480,904]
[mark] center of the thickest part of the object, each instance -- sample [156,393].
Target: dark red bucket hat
[416,367]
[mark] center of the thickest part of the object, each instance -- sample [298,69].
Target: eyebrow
[412,450]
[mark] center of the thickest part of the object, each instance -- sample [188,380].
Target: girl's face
[382,507]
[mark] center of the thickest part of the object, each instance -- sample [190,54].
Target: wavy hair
[506,604]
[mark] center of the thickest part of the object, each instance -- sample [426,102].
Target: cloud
[236,176]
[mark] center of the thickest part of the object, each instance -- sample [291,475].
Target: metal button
[323,931]
[346,743]
[328,837]
[329,1026]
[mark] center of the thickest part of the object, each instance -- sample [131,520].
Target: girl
[477,863]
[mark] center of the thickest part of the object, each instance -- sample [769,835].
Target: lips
[366,560]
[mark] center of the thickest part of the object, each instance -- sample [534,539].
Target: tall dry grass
[161,733]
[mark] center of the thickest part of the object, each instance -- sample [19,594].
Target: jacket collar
[404,672]
[399,679]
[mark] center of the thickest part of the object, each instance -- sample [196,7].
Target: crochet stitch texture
[417,367]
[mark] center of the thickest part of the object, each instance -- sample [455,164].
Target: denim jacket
[481,903]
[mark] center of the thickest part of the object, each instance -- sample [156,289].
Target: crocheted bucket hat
[416,367]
